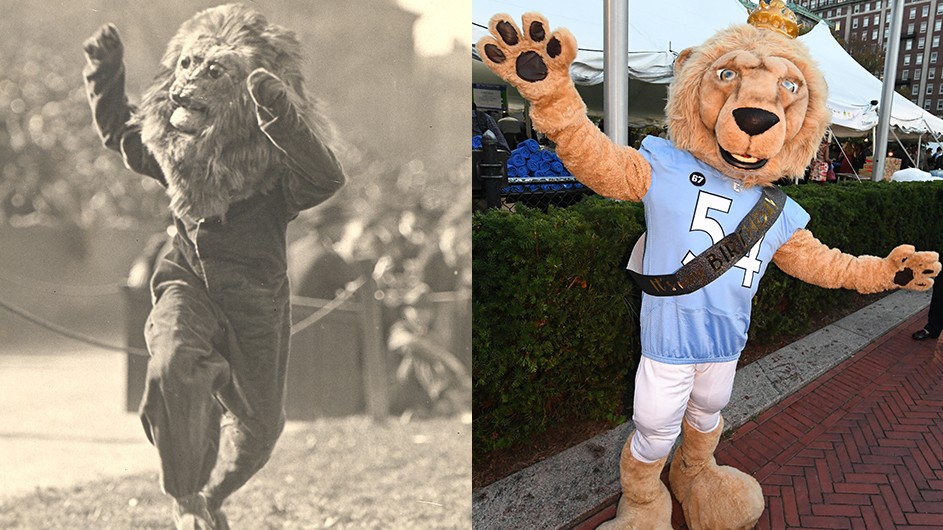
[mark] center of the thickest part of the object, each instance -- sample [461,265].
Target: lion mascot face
[749,102]
[198,118]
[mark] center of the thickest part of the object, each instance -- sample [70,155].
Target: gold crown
[774,15]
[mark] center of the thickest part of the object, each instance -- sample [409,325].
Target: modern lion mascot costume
[227,130]
[745,109]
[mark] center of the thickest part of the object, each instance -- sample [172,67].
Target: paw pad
[531,49]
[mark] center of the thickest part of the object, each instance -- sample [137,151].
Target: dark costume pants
[935,318]
[213,411]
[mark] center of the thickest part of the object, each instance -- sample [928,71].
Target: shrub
[555,317]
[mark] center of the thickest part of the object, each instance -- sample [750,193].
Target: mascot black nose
[183,100]
[754,121]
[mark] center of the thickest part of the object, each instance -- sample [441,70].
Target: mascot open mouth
[189,119]
[742,161]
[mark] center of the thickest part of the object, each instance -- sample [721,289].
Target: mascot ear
[681,59]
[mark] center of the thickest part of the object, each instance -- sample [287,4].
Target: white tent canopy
[658,30]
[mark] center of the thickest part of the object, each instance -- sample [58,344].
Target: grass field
[337,473]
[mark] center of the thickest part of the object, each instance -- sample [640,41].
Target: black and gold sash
[719,257]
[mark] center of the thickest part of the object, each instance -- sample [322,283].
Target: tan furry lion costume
[227,129]
[746,108]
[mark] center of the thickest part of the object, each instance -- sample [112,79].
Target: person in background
[934,318]
[926,160]
[512,129]
[482,122]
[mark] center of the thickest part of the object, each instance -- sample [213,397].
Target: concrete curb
[570,487]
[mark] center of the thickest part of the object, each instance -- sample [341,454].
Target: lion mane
[230,159]
[696,107]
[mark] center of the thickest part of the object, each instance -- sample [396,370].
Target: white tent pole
[904,149]
[616,70]
[887,90]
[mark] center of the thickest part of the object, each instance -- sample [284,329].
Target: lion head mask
[198,118]
[750,102]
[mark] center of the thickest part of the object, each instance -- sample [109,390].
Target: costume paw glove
[104,46]
[910,269]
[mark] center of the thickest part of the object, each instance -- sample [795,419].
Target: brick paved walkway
[860,447]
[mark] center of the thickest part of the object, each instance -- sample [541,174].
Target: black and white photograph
[235,265]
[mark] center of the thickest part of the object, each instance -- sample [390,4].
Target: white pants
[667,393]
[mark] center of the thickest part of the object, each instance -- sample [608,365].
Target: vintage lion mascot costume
[745,109]
[227,129]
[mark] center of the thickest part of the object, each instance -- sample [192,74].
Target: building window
[941,88]
[931,74]
[936,42]
[925,11]
[854,24]
[877,19]
[906,60]
[939,9]
[921,42]
[933,56]
[828,14]
[910,28]
[938,25]
[909,44]
[874,35]
[877,5]
[926,104]
[864,22]
[856,8]
[929,88]
[923,27]
[919,58]
[917,73]
[838,26]
[905,75]
[913,12]
[939,104]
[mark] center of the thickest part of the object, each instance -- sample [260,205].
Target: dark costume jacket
[239,260]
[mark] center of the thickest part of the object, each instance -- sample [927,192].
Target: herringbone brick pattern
[859,448]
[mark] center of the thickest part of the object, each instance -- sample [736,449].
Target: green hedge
[555,321]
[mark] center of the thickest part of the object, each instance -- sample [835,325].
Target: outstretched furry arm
[806,258]
[111,112]
[315,172]
[537,62]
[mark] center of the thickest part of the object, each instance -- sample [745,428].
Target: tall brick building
[919,61]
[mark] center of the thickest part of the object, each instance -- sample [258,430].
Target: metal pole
[616,70]
[887,91]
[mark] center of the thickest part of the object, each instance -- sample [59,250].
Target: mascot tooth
[228,131]
[745,109]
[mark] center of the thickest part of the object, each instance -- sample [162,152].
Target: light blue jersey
[689,207]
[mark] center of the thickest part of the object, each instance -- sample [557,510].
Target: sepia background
[379,391]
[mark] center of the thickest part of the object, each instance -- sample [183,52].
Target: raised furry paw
[269,94]
[913,270]
[104,46]
[535,62]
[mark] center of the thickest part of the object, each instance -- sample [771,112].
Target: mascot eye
[215,71]
[185,63]
[790,86]
[726,74]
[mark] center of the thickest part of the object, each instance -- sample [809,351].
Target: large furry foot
[192,513]
[535,62]
[712,496]
[645,502]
